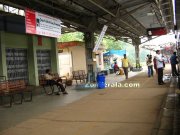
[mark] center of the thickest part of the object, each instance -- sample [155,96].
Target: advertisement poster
[41,24]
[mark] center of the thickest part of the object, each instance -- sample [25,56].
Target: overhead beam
[158,18]
[119,26]
[136,9]
[158,4]
[52,7]
[23,7]
[107,11]
[127,13]
[96,4]
[131,5]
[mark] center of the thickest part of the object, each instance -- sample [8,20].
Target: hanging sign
[156,31]
[41,24]
[100,38]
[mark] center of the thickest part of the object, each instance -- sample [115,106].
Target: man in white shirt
[160,66]
[52,80]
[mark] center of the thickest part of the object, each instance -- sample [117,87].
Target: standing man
[174,61]
[155,64]
[160,66]
[125,65]
[150,66]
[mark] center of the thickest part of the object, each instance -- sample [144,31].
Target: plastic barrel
[101,81]
[101,85]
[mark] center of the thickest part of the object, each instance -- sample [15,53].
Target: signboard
[156,31]
[41,24]
[100,38]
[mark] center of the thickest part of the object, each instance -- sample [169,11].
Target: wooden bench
[12,88]
[49,89]
[63,78]
[79,75]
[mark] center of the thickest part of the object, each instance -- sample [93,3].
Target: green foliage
[130,49]
[74,36]
[111,44]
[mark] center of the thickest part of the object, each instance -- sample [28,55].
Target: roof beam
[163,14]
[107,11]
[52,7]
[127,13]
[136,9]
[119,26]
[130,5]
[113,15]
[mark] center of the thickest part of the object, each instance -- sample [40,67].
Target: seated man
[116,67]
[52,80]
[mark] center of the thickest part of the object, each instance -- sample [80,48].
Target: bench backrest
[3,86]
[42,80]
[12,85]
[81,72]
[75,73]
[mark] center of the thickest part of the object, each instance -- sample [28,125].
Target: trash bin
[105,72]
[100,81]
[111,71]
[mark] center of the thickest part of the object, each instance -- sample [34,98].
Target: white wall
[72,58]
[65,64]
[78,58]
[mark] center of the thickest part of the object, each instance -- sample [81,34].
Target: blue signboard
[116,52]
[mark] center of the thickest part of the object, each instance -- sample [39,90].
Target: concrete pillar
[3,66]
[32,61]
[54,56]
[136,44]
[89,45]
[137,55]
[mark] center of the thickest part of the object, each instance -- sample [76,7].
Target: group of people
[159,65]
[125,66]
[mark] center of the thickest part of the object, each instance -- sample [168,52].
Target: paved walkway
[113,111]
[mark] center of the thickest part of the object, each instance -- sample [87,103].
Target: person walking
[160,66]
[174,61]
[125,65]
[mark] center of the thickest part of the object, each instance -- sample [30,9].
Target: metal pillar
[91,65]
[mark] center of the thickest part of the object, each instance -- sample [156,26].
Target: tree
[111,44]
[74,36]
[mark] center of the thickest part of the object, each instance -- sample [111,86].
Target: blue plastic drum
[101,81]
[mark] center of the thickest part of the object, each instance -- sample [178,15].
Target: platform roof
[125,18]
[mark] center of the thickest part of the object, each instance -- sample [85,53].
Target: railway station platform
[123,108]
